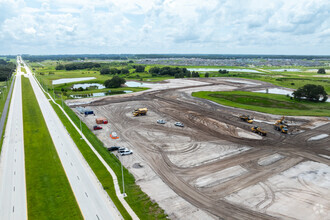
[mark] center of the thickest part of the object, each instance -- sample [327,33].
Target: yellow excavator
[140,111]
[281,126]
[246,118]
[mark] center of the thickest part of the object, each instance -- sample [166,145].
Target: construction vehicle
[140,111]
[101,121]
[246,118]
[281,126]
[258,130]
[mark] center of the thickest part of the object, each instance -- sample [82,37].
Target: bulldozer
[281,126]
[140,111]
[246,118]
[258,130]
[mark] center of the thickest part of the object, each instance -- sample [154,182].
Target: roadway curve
[91,197]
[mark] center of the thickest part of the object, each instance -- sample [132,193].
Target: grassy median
[268,103]
[139,201]
[49,195]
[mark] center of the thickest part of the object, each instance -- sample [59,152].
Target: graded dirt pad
[304,187]
[215,167]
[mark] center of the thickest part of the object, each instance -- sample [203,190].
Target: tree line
[6,69]
[78,66]
[172,71]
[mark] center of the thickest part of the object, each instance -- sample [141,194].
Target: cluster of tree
[321,71]
[311,92]
[172,71]
[223,71]
[113,71]
[39,58]
[169,71]
[6,69]
[115,82]
[77,66]
[139,68]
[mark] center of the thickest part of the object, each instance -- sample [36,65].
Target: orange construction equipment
[101,121]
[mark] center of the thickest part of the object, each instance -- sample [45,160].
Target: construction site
[223,162]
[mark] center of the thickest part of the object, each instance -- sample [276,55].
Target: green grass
[137,199]
[98,168]
[2,104]
[268,103]
[23,69]
[49,195]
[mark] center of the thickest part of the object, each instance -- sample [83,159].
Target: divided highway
[91,197]
[12,166]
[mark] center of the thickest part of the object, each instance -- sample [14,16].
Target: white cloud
[30,30]
[165,26]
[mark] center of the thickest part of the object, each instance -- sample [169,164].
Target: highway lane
[13,203]
[92,199]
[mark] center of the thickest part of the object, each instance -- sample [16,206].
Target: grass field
[137,199]
[268,103]
[3,98]
[49,195]
[287,79]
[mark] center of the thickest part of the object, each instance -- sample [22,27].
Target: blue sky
[165,26]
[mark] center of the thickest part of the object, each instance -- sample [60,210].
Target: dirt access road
[215,167]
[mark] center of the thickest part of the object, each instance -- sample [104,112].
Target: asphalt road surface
[13,203]
[91,197]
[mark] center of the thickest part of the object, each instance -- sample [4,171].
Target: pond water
[280,92]
[214,69]
[138,84]
[276,91]
[86,85]
[241,81]
[99,94]
[70,80]
[286,70]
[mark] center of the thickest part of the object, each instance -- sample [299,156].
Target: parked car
[126,152]
[179,124]
[113,148]
[97,127]
[161,121]
[122,149]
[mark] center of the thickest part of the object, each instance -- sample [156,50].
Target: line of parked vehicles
[121,150]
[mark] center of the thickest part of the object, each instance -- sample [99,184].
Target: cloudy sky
[165,26]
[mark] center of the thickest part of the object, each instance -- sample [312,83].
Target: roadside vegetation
[49,195]
[7,68]
[3,97]
[267,103]
[136,198]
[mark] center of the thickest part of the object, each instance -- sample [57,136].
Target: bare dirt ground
[215,167]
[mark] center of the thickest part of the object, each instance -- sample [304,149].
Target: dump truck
[258,130]
[101,121]
[281,126]
[246,118]
[140,111]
